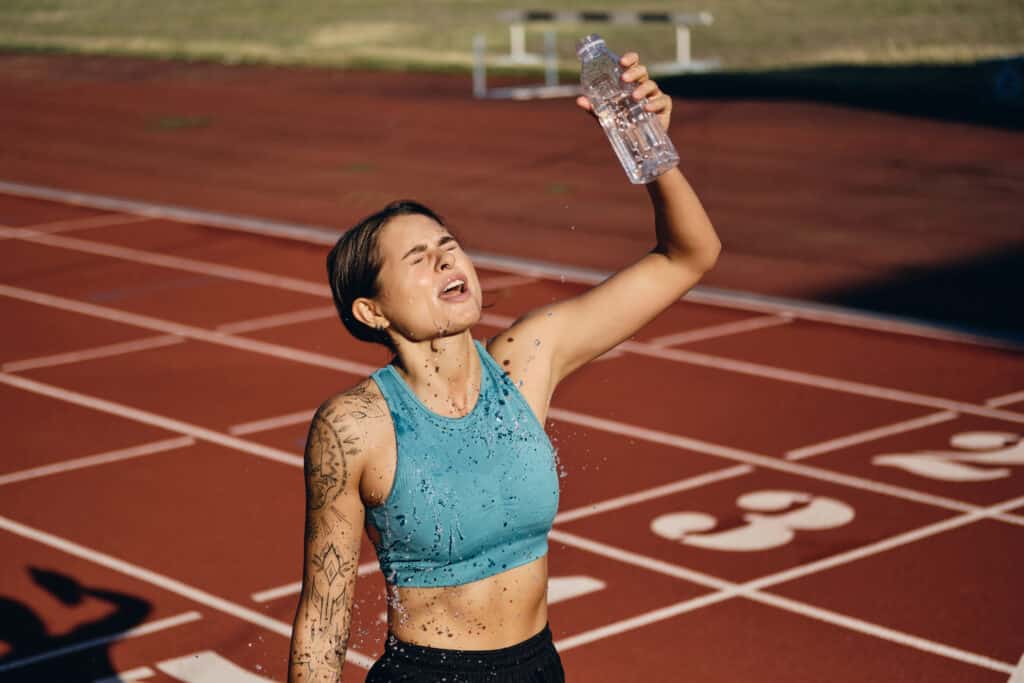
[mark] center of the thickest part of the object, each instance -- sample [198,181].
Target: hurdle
[518,55]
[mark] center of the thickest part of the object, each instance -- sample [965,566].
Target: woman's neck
[444,372]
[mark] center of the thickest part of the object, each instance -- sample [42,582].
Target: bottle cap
[588,43]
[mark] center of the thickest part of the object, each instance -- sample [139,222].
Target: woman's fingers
[635,74]
[583,103]
[629,59]
[645,89]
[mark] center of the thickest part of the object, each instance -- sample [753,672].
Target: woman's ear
[368,313]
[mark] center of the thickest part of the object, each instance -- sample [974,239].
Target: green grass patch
[747,34]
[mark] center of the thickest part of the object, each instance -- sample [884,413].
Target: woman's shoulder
[361,401]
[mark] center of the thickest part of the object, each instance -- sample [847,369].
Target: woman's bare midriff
[488,614]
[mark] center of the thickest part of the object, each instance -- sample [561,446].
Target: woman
[441,454]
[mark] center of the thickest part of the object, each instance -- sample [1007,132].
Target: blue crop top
[472,496]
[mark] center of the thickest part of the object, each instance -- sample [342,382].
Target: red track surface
[922,583]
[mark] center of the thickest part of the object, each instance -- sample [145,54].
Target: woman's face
[420,259]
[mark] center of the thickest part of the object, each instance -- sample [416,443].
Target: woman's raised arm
[580,329]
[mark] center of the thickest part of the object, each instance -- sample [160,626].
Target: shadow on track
[26,634]
[986,93]
[979,295]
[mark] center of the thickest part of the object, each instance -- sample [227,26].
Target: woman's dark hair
[353,266]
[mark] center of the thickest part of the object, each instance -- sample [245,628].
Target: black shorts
[534,660]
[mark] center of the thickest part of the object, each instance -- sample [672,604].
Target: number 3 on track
[771,521]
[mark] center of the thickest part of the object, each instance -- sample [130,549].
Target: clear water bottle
[641,143]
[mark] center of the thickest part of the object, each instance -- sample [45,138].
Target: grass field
[746,35]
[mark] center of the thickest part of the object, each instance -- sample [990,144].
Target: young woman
[441,455]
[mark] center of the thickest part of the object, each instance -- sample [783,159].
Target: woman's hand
[658,103]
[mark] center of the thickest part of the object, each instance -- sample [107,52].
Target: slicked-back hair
[354,263]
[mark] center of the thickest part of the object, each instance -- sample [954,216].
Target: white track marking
[207,666]
[712,331]
[98,459]
[652,493]
[562,588]
[870,435]
[105,351]
[294,588]
[1000,401]
[1018,674]
[883,545]
[141,630]
[752,590]
[139,673]
[189,331]
[640,348]
[266,322]
[767,524]
[179,263]
[881,632]
[165,582]
[763,461]
[145,417]
[323,235]
[651,617]
[818,381]
[83,223]
[637,560]
[299,417]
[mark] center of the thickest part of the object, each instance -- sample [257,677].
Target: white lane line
[83,223]
[141,630]
[1000,401]
[296,586]
[266,322]
[139,673]
[637,560]
[188,331]
[98,459]
[751,590]
[704,294]
[299,417]
[764,461]
[192,593]
[912,536]
[1018,674]
[93,353]
[363,370]
[713,331]
[652,493]
[177,262]
[870,435]
[651,617]
[881,632]
[817,381]
[644,349]
[145,417]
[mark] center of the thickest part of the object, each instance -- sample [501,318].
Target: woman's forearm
[683,229]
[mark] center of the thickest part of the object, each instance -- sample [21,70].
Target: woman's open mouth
[455,291]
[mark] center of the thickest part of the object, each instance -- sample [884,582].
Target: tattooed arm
[335,454]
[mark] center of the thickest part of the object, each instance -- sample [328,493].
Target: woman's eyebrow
[422,247]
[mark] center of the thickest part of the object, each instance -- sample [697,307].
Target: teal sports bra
[472,496]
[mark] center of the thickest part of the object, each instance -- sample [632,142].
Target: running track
[751,492]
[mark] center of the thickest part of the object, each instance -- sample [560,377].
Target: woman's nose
[447,260]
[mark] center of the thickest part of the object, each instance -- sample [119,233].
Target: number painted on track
[761,531]
[982,456]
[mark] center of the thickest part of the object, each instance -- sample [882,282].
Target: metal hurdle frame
[517,20]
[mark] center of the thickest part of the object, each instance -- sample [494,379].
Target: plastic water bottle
[638,138]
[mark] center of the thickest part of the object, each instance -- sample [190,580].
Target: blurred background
[863,154]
